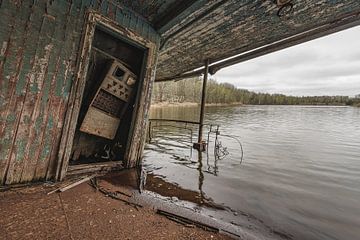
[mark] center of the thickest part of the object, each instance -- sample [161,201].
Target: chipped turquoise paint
[2,102]
[47,140]
[20,149]
[38,124]
[34,87]
[50,123]
[28,30]
[67,89]
[27,119]
[45,151]
[11,118]
[20,85]
[33,148]
[4,144]
[58,83]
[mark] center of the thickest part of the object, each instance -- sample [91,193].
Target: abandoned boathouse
[76,75]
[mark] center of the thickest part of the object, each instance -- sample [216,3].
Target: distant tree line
[225,93]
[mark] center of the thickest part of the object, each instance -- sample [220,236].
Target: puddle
[160,195]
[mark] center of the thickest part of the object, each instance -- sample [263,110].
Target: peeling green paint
[34,87]
[29,68]
[27,119]
[20,147]
[38,122]
[45,151]
[50,123]
[20,86]
[11,118]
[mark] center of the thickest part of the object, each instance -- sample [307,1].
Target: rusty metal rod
[203,100]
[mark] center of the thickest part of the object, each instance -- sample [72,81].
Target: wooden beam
[312,34]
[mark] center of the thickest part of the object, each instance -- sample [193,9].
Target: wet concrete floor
[85,213]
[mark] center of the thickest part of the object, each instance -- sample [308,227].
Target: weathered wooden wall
[39,47]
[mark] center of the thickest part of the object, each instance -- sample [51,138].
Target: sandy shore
[190,104]
[84,213]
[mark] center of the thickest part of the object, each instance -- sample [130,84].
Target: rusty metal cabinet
[110,102]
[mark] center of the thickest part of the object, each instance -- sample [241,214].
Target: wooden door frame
[134,148]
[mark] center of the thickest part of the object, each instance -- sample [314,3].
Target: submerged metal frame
[135,144]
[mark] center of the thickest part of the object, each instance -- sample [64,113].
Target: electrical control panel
[110,102]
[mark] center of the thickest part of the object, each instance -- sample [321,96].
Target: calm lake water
[299,179]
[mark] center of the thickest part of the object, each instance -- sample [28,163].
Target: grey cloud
[330,65]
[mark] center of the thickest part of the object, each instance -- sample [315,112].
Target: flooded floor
[299,178]
[84,212]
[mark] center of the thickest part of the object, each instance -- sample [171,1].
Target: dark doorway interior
[106,112]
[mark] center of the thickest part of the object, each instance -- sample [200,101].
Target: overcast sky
[325,66]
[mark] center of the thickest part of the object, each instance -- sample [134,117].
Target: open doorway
[107,107]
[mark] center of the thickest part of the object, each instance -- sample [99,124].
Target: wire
[241,147]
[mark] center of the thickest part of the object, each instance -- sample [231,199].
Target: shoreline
[192,104]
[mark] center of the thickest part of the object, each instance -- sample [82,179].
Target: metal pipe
[203,100]
[181,76]
[324,30]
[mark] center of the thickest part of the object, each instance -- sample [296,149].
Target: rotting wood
[236,28]
[26,185]
[321,31]
[35,82]
[131,154]
[71,185]
[44,167]
[36,120]
[94,167]
[344,22]
[76,183]
[76,97]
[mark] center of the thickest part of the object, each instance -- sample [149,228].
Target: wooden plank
[21,93]
[51,134]
[75,101]
[50,101]
[136,144]
[37,70]
[7,90]
[63,189]
[68,87]
[94,167]
[72,185]
[59,97]
[34,107]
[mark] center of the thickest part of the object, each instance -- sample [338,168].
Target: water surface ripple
[299,179]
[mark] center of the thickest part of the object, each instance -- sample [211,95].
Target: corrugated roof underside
[233,27]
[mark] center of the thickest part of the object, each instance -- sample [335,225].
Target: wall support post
[201,145]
